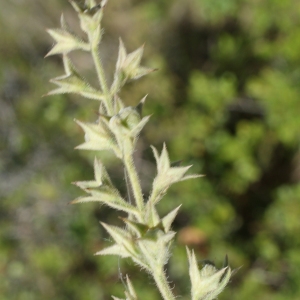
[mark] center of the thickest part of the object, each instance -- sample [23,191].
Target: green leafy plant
[147,237]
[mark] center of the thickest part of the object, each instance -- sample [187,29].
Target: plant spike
[147,237]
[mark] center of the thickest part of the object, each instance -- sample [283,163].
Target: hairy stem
[154,195]
[102,79]
[134,181]
[162,284]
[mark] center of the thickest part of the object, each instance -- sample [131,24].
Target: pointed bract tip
[140,106]
[225,263]
[144,99]
[103,3]
[48,54]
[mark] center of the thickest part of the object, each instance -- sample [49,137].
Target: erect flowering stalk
[147,237]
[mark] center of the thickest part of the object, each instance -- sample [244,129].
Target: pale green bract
[147,237]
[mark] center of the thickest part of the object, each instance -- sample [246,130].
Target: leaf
[66,42]
[121,55]
[123,124]
[109,200]
[148,249]
[208,283]
[79,7]
[151,215]
[115,249]
[102,190]
[121,237]
[168,237]
[102,180]
[162,161]
[139,107]
[98,137]
[138,128]
[72,82]
[166,175]
[132,62]
[90,24]
[130,291]
[169,218]
[128,67]
[138,228]
[155,249]
[140,72]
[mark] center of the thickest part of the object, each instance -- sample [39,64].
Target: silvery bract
[208,282]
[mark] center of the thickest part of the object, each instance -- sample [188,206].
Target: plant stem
[134,181]
[162,284]
[153,196]
[101,78]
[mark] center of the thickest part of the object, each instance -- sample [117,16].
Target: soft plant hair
[147,237]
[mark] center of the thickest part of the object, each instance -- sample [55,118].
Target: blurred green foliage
[227,86]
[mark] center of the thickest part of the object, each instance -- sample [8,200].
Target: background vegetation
[227,86]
